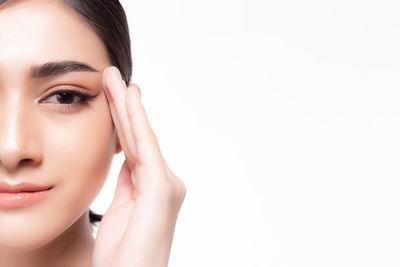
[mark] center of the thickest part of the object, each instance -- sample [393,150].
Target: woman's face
[47,139]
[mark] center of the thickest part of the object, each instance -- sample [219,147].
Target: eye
[66,98]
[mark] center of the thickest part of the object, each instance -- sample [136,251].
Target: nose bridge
[16,133]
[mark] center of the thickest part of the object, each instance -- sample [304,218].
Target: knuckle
[180,189]
[153,136]
[147,138]
[175,191]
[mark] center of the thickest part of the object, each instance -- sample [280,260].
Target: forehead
[38,31]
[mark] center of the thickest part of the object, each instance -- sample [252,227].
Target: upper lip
[27,187]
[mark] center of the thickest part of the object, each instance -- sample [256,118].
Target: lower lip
[22,199]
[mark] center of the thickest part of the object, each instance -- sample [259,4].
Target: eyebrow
[59,67]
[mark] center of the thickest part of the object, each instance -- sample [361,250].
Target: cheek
[77,151]
[79,155]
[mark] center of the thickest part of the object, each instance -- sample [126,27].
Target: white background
[282,119]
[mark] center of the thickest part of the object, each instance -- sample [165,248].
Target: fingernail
[117,73]
[135,89]
[138,88]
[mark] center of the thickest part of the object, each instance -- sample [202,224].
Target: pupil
[65,98]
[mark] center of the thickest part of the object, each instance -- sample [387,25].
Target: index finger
[115,90]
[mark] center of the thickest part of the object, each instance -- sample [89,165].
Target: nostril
[14,156]
[25,162]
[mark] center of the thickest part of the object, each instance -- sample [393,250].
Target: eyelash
[85,98]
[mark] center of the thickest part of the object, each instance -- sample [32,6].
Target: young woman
[66,107]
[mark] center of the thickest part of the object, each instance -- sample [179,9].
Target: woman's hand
[138,227]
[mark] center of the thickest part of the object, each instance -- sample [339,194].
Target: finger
[147,146]
[116,93]
[140,92]
[124,189]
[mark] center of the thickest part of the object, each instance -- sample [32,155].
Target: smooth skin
[40,139]
[138,227]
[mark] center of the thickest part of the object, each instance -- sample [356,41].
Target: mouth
[23,187]
[26,190]
[22,198]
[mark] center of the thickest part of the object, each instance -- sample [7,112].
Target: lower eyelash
[64,106]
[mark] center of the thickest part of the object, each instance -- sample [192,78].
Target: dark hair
[94,218]
[108,20]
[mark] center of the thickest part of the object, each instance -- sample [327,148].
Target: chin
[22,242]
[22,233]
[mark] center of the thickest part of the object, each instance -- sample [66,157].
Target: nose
[18,145]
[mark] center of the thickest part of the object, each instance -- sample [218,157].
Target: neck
[74,247]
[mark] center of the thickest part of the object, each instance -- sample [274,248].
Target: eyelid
[72,92]
[85,97]
[68,89]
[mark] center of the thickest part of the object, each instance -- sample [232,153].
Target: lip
[23,187]
[23,195]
